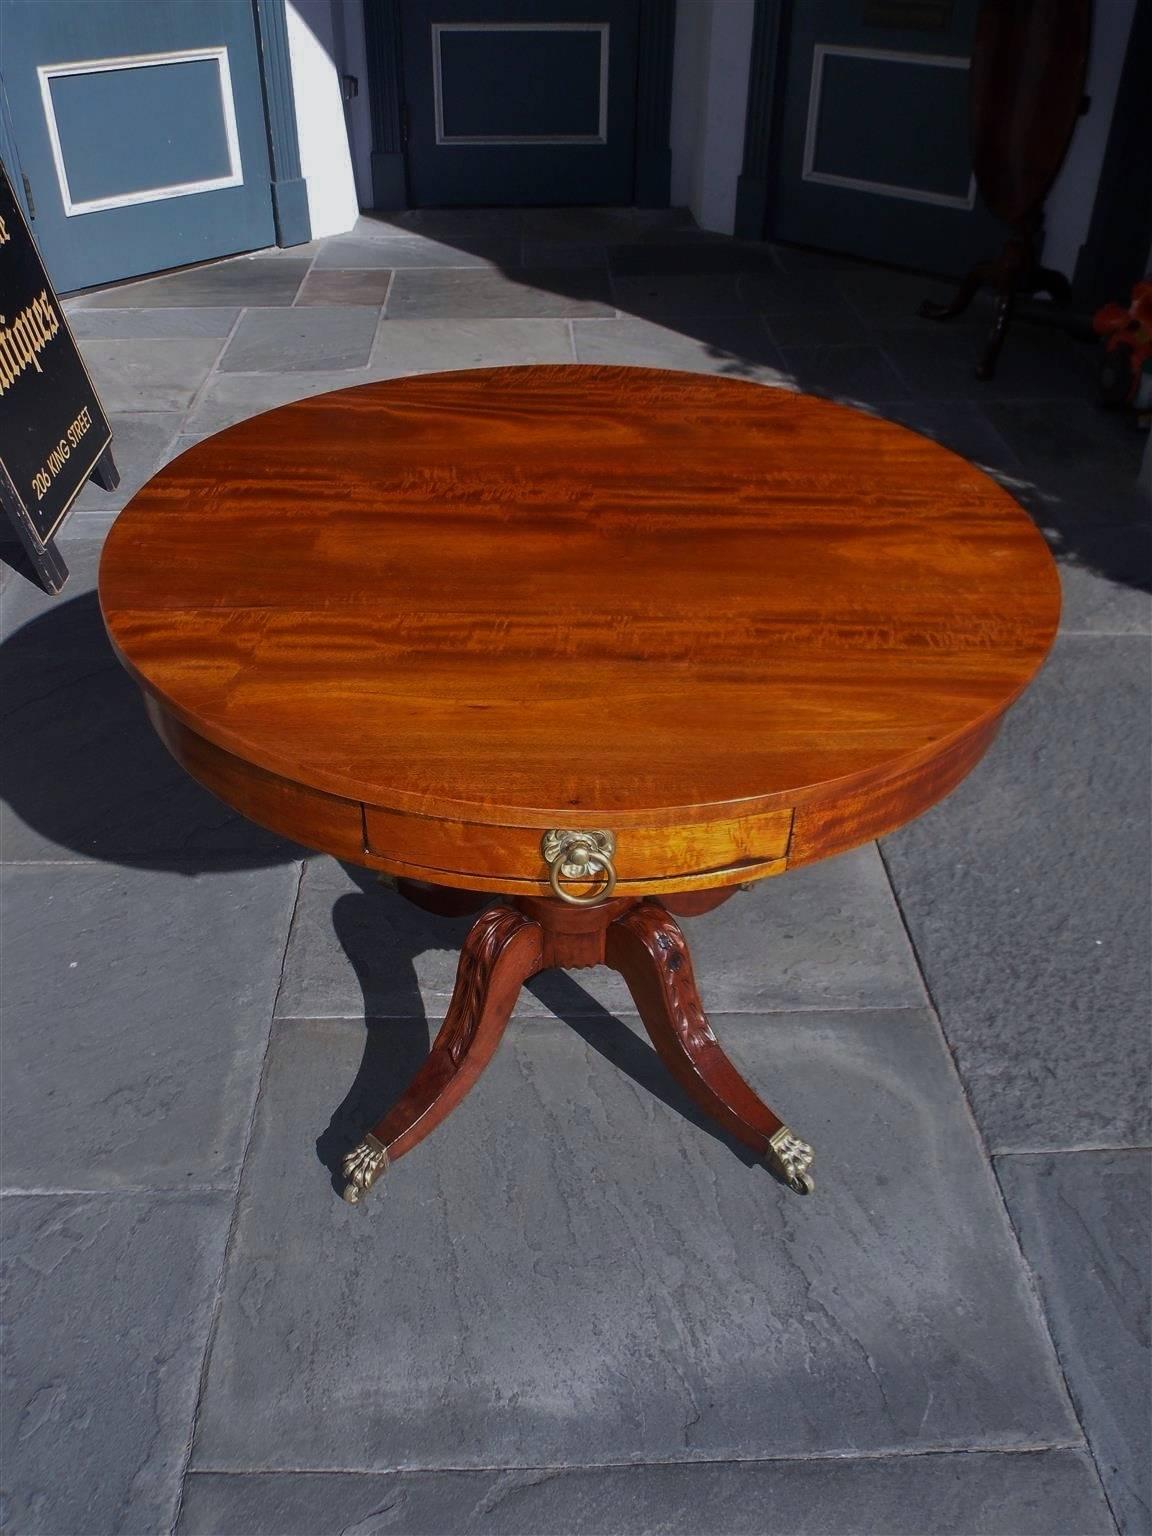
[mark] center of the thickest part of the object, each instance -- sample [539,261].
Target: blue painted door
[874,150]
[136,128]
[519,102]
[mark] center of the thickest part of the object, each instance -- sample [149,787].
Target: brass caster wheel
[362,1167]
[790,1158]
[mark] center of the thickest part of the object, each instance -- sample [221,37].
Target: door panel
[561,96]
[140,129]
[518,102]
[875,157]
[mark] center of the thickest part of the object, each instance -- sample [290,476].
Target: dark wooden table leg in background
[513,941]
[1026,81]
[1015,272]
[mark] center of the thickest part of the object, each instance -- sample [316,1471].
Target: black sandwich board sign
[54,434]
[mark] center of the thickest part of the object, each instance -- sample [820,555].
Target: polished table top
[580,596]
[586,637]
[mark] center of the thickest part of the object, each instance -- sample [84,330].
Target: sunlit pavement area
[576,1308]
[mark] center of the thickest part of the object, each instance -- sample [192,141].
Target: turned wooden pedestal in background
[1026,83]
[606,642]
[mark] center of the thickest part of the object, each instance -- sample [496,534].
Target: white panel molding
[219,56]
[859,184]
[440,27]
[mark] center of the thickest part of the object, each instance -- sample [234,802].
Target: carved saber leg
[648,949]
[502,950]
[1005,304]
[932,309]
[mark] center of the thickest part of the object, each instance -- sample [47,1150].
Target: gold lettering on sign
[22,341]
[4,235]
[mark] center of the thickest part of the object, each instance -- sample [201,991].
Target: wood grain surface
[504,600]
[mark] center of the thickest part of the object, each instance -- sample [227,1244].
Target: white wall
[689,84]
[325,159]
[351,58]
[1069,208]
[709,98]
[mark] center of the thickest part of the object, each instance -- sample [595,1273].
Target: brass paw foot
[362,1167]
[790,1158]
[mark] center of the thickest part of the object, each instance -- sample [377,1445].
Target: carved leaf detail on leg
[668,944]
[647,947]
[502,950]
[487,938]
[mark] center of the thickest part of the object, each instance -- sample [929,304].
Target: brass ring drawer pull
[576,856]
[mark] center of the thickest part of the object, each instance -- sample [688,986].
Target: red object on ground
[1127,333]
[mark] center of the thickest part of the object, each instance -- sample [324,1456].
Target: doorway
[136,133]
[506,105]
[519,103]
[872,154]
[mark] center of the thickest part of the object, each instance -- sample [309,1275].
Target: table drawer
[510,857]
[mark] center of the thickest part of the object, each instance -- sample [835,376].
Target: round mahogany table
[608,642]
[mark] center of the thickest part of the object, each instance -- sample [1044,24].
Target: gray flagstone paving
[107,1304]
[1038,1494]
[429,346]
[1083,1221]
[515,293]
[724,345]
[303,339]
[144,374]
[573,1269]
[407,250]
[1026,894]
[249,281]
[136,1011]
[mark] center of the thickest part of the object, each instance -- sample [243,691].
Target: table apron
[508,858]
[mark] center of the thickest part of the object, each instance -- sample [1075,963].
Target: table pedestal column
[513,940]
